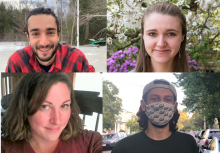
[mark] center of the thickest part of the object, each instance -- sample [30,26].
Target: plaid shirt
[67,60]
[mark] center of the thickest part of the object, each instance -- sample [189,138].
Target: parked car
[213,147]
[109,140]
[199,137]
[207,137]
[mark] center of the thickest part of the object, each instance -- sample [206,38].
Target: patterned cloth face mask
[159,113]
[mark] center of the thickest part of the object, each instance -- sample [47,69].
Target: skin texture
[157,95]
[43,37]
[162,39]
[51,118]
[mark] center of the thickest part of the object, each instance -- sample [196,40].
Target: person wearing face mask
[158,116]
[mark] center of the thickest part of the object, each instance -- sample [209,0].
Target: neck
[162,67]
[42,146]
[47,62]
[157,133]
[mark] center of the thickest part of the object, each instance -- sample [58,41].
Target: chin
[159,126]
[162,60]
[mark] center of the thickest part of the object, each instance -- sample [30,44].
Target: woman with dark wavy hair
[163,40]
[158,116]
[43,117]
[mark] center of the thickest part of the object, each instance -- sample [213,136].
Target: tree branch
[132,42]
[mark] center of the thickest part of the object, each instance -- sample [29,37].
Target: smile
[53,129]
[161,51]
[44,50]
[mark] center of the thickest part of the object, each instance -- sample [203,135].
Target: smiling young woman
[163,40]
[43,117]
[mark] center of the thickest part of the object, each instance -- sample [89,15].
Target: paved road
[96,55]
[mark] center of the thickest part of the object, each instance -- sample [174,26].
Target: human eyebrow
[50,29]
[36,29]
[168,96]
[67,101]
[172,30]
[151,30]
[62,102]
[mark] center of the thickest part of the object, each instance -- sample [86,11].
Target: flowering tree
[202,16]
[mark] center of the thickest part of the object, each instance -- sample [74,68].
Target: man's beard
[48,58]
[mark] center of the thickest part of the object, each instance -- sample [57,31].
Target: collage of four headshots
[115,76]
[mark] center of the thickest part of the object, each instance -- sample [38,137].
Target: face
[158,95]
[162,37]
[43,37]
[53,115]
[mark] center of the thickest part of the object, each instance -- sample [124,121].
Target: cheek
[66,117]
[38,120]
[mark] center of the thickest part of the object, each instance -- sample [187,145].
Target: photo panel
[62,36]
[159,36]
[153,109]
[63,109]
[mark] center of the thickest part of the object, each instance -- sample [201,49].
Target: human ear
[175,107]
[28,37]
[183,37]
[142,105]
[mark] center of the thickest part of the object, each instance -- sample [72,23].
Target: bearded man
[44,53]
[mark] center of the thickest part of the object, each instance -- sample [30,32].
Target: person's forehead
[155,20]
[160,92]
[41,21]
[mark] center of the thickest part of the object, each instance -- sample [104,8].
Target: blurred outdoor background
[92,27]
[203,32]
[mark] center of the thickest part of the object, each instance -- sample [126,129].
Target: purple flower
[120,51]
[190,66]
[129,57]
[195,67]
[122,55]
[199,68]
[194,62]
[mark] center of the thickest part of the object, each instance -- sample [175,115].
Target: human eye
[35,34]
[51,33]
[169,99]
[172,34]
[154,98]
[152,34]
[45,107]
[65,106]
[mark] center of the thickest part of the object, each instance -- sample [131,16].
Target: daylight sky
[131,86]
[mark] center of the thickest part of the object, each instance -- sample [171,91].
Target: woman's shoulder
[14,147]
[88,135]
[90,140]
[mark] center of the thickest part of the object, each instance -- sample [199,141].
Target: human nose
[161,41]
[44,40]
[55,117]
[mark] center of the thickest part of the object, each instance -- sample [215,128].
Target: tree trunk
[74,17]
[61,23]
[77,24]
[87,30]
[45,3]
[55,7]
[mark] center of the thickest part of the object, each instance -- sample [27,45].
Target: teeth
[44,49]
